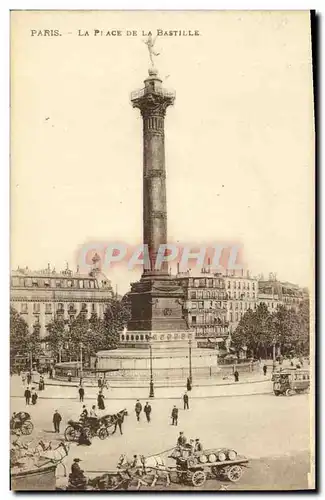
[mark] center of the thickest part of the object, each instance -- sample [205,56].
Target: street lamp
[81,346]
[190,359]
[151,388]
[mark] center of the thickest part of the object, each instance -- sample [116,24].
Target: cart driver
[198,448]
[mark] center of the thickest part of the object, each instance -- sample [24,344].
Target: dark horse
[117,420]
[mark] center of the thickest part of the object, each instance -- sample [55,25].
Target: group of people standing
[30,395]
[193,446]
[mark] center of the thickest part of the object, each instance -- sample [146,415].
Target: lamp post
[273,355]
[81,346]
[190,359]
[151,387]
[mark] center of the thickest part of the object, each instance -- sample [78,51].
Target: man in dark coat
[81,394]
[174,416]
[181,441]
[29,378]
[198,446]
[138,410]
[147,410]
[27,395]
[265,369]
[56,421]
[185,399]
[188,385]
[236,375]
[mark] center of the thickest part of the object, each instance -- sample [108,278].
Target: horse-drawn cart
[220,463]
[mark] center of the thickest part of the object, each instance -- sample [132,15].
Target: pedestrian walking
[186,401]
[138,409]
[188,384]
[81,391]
[265,369]
[119,422]
[34,396]
[147,410]
[100,382]
[56,421]
[100,401]
[29,378]
[27,395]
[236,375]
[23,377]
[51,373]
[69,376]
[174,415]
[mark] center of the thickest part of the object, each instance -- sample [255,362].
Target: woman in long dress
[100,401]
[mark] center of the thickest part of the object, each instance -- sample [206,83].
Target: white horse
[54,455]
[144,466]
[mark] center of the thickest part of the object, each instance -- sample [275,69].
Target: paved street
[256,426]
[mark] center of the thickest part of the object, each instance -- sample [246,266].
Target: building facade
[242,294]
[273,293]
[41,296]
[205,306]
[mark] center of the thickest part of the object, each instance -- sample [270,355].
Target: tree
[116,317]
[18,335]
[255,331]
[57,336]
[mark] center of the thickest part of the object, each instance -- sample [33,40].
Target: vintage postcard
[162,251]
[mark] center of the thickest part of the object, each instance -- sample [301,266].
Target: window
[70,283]
[93,307]
[194,305]
[193,320]
[196,283]
[36,307]
[253,286]
[231,317]
[201,305]
[58,283]
[92,284]
[34,282]
[81,283]
[202,282]
[24,308]
[48,308]
[230,305]
[210,282]
[228,284]
[86,283]
[60,307]
[199,294]
[193,295]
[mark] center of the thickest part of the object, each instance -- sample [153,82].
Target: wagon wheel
[27,428]
[71,434]
[290,392]
[198,478]
[234,473]
[103,433]
[277,393]
[88,432]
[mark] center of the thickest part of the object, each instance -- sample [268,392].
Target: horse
[145,466]
[54,455]
[110,420]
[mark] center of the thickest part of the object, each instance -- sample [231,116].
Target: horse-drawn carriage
[218,463]
[94,426]
[21,422]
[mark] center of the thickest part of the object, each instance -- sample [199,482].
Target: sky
[239,139]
